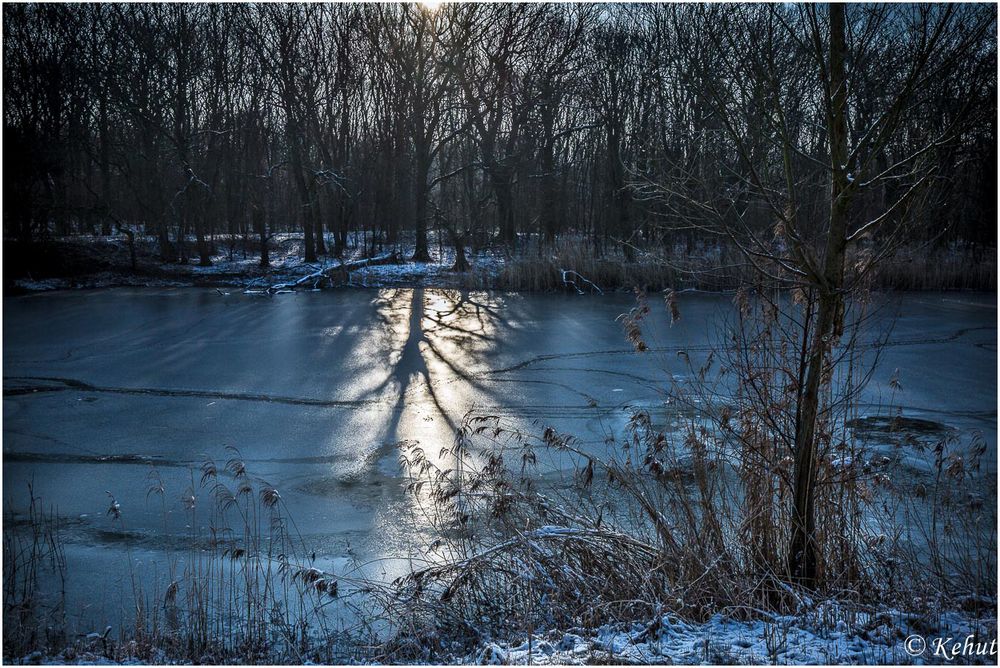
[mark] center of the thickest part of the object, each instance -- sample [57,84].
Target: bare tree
[790,111]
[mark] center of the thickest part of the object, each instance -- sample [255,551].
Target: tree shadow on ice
[445,337]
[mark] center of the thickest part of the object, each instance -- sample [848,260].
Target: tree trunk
[307,229]
[802,552]
[318,219]
[803,559]
[181,241]
[619,196]
[420,252]
[167,251]
[458,241]
[105,166]
[306,209]
[342,232]
[204,255]
[547,163]
[260,225]
[298,173]
[130,235]
[337,224]
[505,205]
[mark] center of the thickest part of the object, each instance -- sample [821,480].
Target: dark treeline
[485,122]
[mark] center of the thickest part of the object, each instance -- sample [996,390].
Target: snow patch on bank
[829,634]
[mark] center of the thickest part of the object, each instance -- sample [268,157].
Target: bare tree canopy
[640,126]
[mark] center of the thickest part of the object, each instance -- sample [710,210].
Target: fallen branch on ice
[566,273]
[316,279]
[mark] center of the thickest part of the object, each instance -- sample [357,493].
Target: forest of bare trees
[633,127]
[484,473]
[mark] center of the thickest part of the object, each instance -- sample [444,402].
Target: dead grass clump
[707,266]
[940,269]
[688,512]
[34,581]
[247,590]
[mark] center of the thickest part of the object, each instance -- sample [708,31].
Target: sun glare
[431,5]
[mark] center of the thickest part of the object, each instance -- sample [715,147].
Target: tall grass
[720,267]
[939,269]
[34,580]
[688,511]
[704,267]
[247,590]
[672,525]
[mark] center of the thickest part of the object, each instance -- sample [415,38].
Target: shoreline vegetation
[526,576]
[567,265]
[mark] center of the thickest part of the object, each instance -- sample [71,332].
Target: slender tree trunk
[546,161]
[458,241]
[421,252]
[549,207]
[130,235]
[505,205]
[307,229]
[303,188]
[182,231]
[204,255]
[342,231]
[803,560]
[619,197]
[318,219]
[105,166]
[802,553]
[338,225]
[167,251]
[423,165]
[261,225]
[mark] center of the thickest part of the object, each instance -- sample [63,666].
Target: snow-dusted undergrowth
[823,636]
[529,266]
[828,634]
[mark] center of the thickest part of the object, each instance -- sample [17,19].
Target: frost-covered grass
[580,588]
[828,634]
[845,638]
[671,543]
[637,565]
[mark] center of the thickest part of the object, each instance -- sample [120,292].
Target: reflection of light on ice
[438,339]
[454,330]
[417,372]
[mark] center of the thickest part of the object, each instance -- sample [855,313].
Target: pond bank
[97,262]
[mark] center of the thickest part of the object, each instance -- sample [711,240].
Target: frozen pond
[318,389]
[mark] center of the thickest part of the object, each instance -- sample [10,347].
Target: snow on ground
[71,658]
[236,268]
[104,261]
[42,285]
[824,636]
[828,634]
[104,279]
[485,267]
[286,264]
